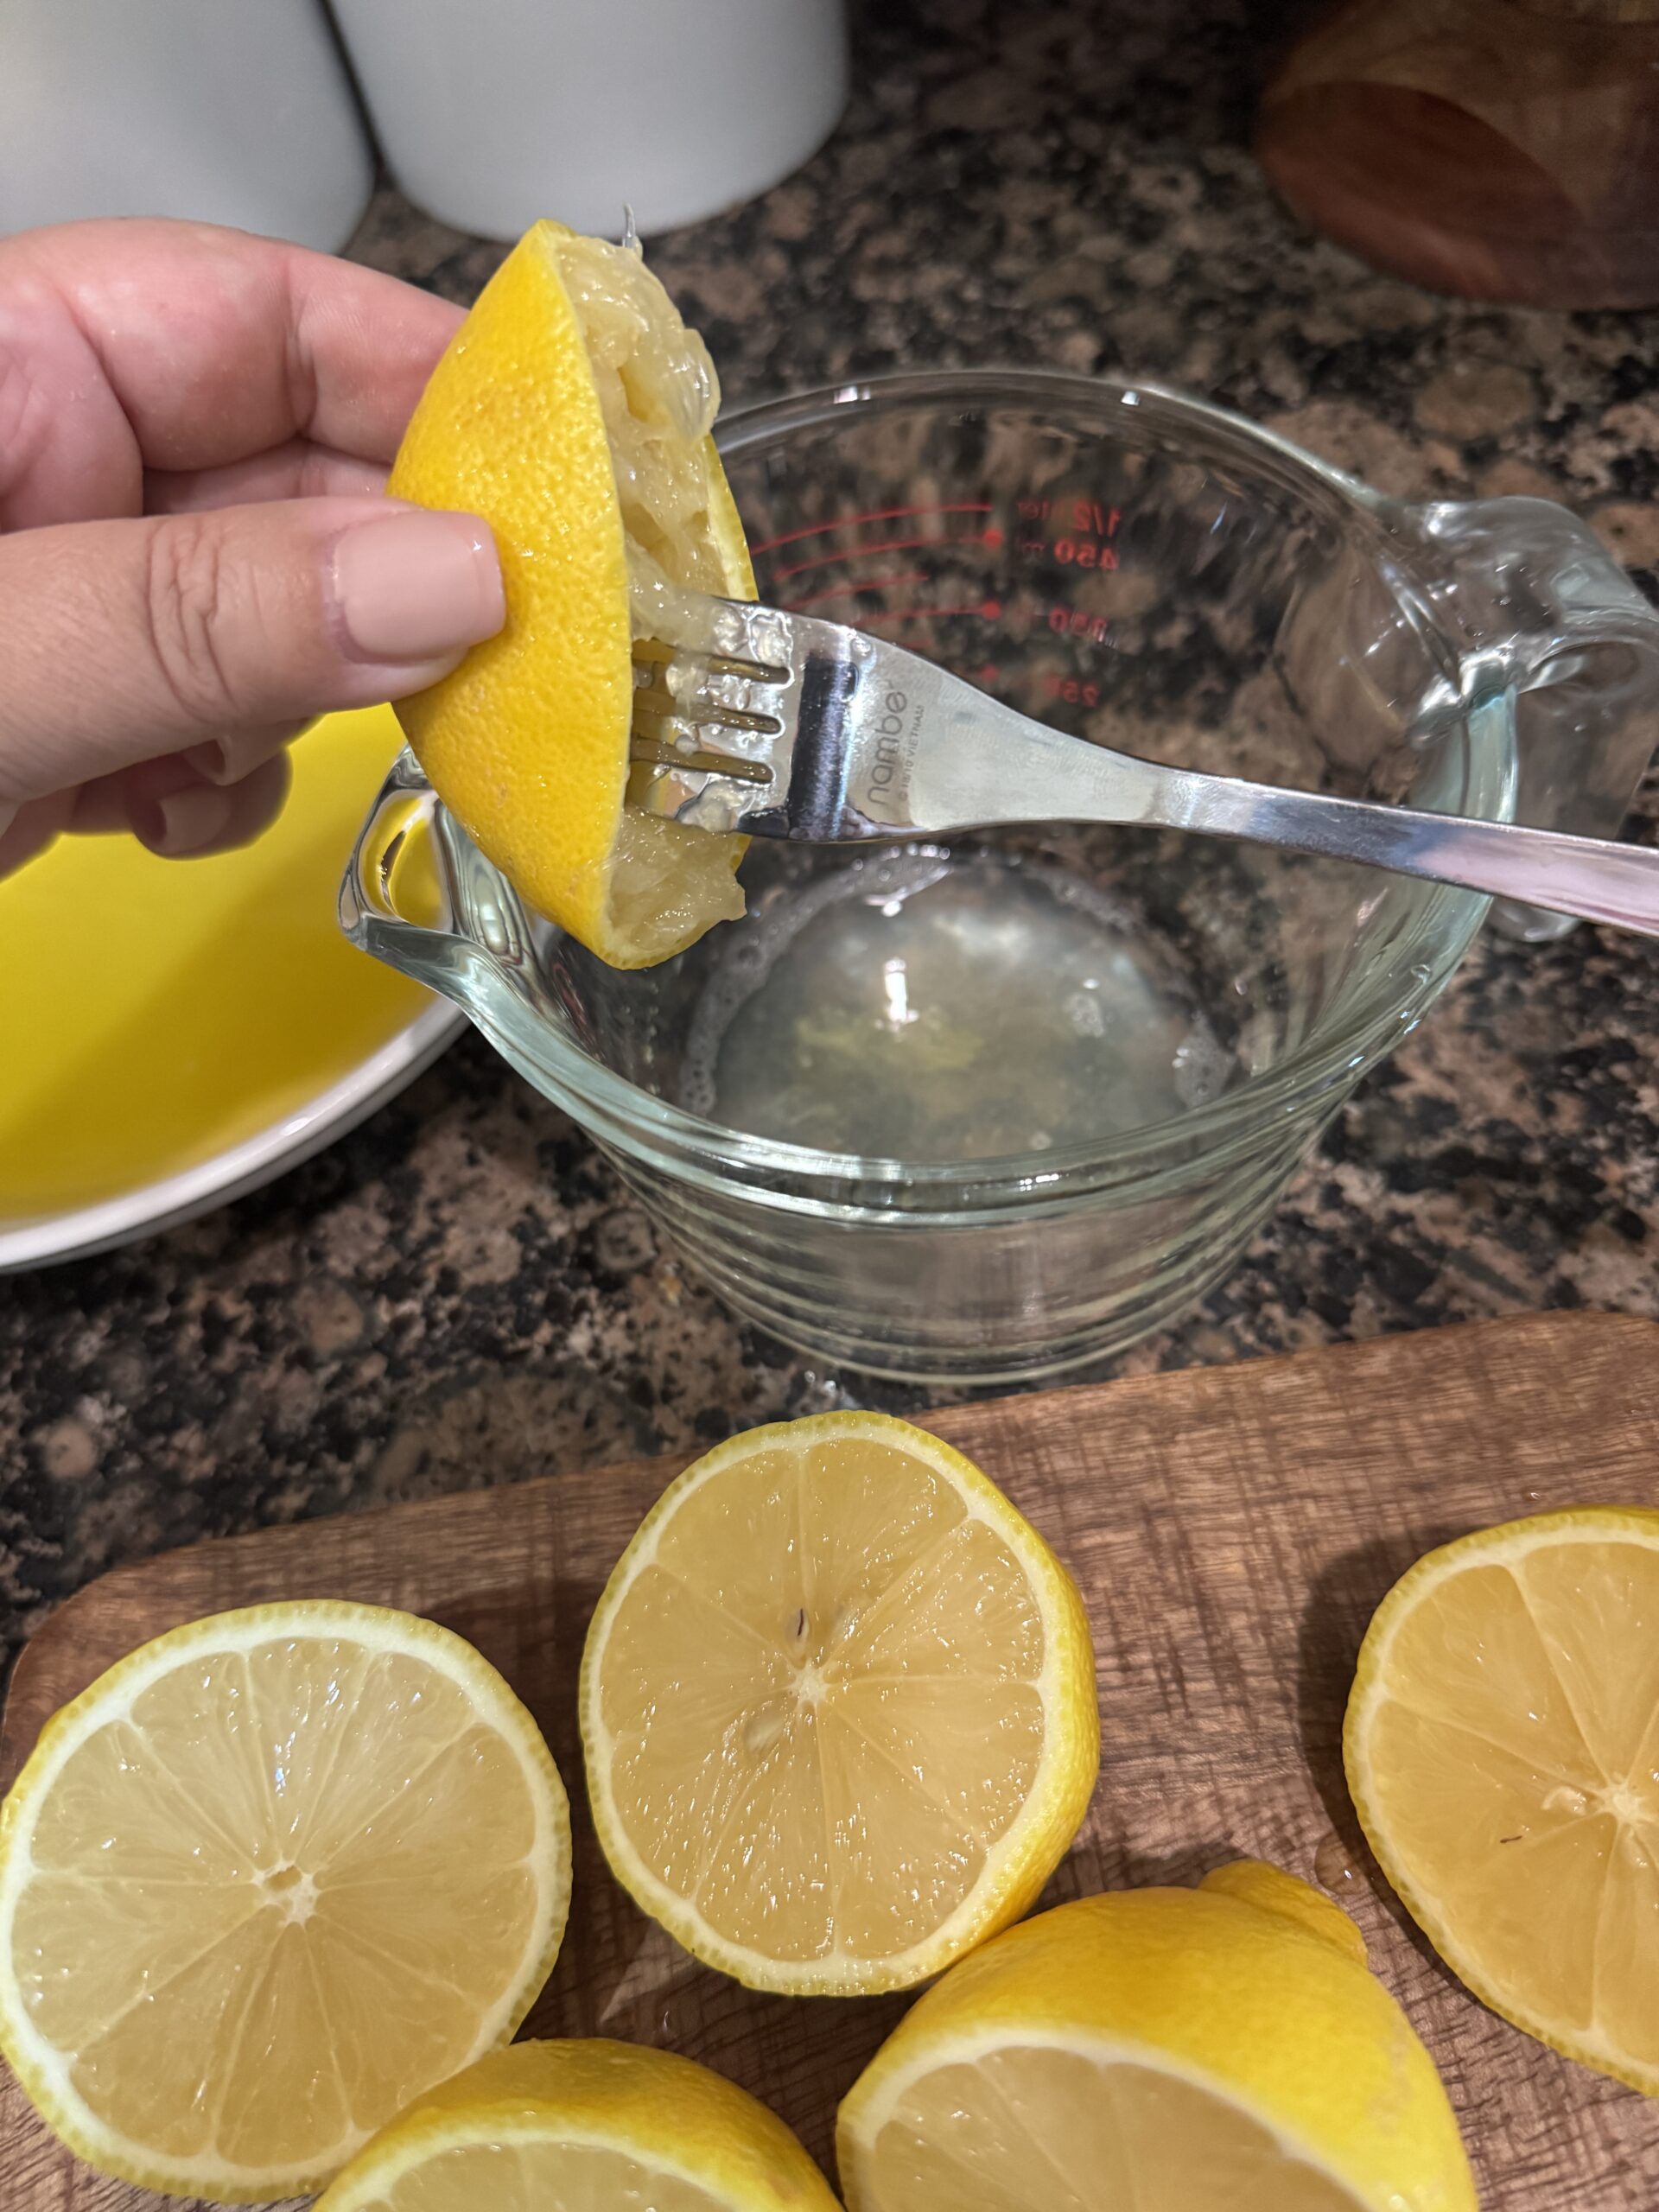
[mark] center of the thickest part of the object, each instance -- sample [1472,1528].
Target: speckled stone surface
[458,1293]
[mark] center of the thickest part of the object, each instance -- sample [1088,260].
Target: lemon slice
[838,1707]
[267,1879]
[572,411]
[1158,2051]
[586,2127]
[1502,1749]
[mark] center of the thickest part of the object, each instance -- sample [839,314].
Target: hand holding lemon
[573,412]
[196,555]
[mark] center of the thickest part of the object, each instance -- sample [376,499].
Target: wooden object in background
[1231,1528]
[1503,149]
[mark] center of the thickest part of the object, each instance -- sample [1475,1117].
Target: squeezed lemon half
[572,410]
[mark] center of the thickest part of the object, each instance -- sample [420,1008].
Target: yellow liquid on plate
[155,1012]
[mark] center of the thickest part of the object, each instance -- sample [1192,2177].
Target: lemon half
[1502,1745]
[267,1879]
[587,2125]
[1161,2049]
[572,410]
[838,1707]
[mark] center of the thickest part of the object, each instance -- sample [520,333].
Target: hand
[196,555]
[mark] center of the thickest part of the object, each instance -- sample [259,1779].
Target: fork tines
[682,694]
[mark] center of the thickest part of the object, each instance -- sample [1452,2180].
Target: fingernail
[183,822]
[210,761]
[417,585]
[229,759]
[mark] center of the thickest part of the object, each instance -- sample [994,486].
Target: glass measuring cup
[979,1111]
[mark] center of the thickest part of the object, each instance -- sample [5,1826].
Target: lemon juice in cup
[982,1108]
[890,1007]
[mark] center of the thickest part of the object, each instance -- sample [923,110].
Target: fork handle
[1589,876]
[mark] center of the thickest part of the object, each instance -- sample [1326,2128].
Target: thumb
[125,640]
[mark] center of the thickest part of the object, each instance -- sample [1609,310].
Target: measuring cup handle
[377,894]
[418,895]
[1535,605]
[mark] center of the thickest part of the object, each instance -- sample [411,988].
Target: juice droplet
[1331,1869]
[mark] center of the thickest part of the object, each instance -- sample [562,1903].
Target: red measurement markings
[877,514]
[1086,526]
[992,537]
[1082,514]
[1082,552]
[1072,622]
[1072,689]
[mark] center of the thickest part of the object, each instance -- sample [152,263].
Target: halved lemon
[572,410]
[586,2127]
[1158,2051]
[838,1707]
[1502,1745]
[267,1879]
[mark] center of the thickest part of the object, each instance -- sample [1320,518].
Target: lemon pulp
[838,1705]
[569,2177]
[1024,2127]
[174,1008]
[265,1880]
[1502,1747]
[659,395]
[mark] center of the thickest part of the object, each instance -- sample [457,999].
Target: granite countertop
[460,1293]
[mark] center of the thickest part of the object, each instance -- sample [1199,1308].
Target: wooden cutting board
[1231,1528]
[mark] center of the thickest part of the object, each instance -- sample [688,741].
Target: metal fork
[747,718]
